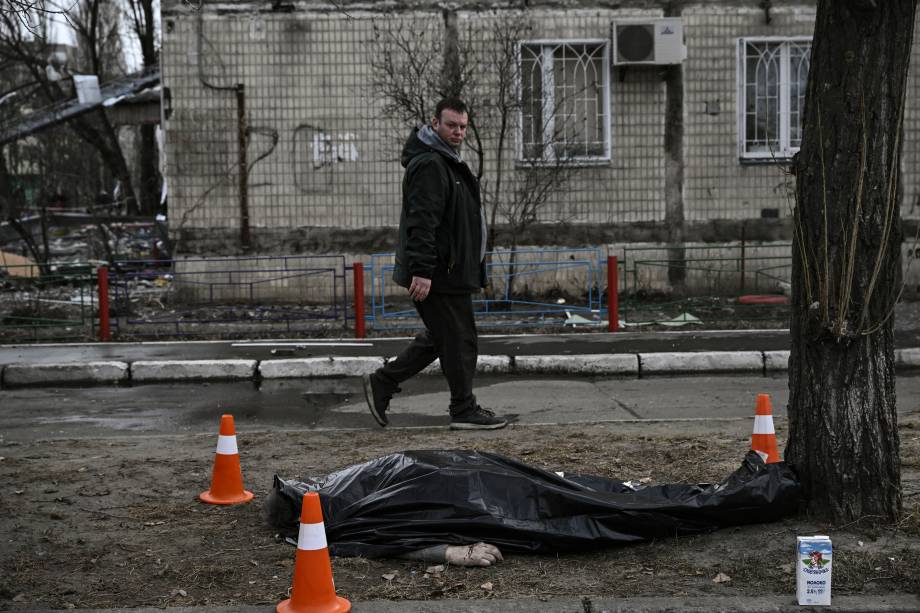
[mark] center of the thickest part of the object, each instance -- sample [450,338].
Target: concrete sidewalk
[622,354]
[895,603]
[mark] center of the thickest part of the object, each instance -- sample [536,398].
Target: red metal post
[613,294]
[102,275]
[359,299]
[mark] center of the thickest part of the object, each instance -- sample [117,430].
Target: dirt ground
[116,521]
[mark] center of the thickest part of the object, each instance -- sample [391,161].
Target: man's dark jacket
[440,227]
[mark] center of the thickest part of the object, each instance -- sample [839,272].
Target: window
[773,74]
[565,101]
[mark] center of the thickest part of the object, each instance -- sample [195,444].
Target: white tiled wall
[308,85]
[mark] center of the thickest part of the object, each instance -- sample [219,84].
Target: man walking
[442,245]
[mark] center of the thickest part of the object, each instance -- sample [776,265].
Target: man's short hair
[454,104]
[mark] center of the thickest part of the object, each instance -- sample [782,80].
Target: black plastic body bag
[407,501]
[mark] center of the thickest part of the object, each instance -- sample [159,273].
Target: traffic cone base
[340,605]
[208,497]
[227,478]
[313,590]
[763,439]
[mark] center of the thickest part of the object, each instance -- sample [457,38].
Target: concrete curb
[20,375]
[701,361]
[494,364]
[602,364]
[185,370]
[892,603]
[776,360]
[907,358]
[306,368]
[596,364]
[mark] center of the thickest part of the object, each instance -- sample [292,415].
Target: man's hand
[419,288]
[477,554]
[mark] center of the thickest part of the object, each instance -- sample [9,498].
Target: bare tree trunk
[142,19]
[150,177]
[843,437]
[10,198]
[115,160]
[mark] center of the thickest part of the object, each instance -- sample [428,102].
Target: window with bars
[772,75]
[565,102]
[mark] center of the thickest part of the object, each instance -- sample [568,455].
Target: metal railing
[270,296]
[222,297]
[527,288]
[47,303]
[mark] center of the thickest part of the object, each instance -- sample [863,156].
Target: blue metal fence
[527,288]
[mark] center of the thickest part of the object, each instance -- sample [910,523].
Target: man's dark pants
[450,335]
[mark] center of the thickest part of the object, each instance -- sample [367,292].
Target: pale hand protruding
[477,554]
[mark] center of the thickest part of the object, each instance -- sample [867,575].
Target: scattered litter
[487,586]
[763,299]
[577,320]
[17,265]
[390,575]
[681,320]
[721,578]
[434,570]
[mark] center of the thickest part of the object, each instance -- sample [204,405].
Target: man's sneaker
[477,418]
[377,400]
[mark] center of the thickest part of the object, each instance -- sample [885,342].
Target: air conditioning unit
[648,41]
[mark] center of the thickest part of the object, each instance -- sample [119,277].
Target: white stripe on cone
[763,424]
[312,537]
[226,445]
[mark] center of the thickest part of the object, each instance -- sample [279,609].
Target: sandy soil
[116,521]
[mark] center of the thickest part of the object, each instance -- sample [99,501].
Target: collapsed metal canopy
[118,91]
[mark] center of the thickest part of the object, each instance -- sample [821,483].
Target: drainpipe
[243,138]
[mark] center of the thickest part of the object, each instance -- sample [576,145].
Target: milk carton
[813,570]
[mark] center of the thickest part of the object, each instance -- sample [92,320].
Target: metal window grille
[565,94]
[773,77]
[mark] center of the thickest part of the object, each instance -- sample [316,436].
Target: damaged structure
[595,123]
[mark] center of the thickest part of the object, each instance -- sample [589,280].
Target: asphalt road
[329,404]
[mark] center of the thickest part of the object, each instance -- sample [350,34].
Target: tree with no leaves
[843,437]
[96,25]
[413,64]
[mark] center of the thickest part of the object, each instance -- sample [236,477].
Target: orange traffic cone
[763,440]
[227,478]
[313,590]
